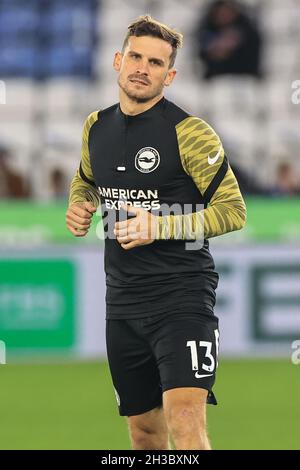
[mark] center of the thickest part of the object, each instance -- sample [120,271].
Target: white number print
[194,356]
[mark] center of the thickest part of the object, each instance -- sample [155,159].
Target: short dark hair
[148,26]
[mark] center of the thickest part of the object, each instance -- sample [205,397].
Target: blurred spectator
[12,185]
[287,183]
[228,41]
[58,184]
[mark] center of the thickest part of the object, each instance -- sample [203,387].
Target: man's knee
[145,438]
[185,413]
[185,418]
[149,430]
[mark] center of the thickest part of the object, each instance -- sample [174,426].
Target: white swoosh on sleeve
[211,161]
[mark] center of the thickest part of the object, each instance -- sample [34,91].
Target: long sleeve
[203,159]
[83,187]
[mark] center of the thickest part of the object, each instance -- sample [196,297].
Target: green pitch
[72,406]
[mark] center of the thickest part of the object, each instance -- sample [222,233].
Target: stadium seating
[256,119]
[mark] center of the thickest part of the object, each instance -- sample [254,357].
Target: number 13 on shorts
[210,364]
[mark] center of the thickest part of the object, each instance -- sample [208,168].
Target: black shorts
[148,356]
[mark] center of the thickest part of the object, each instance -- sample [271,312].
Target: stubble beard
[136,97]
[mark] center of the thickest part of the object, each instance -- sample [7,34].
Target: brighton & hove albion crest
[147,159]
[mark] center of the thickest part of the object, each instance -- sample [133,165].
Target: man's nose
[143,67]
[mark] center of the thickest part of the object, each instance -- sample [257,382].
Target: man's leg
[137,384]
[185,414]
[185,347]
[148,431]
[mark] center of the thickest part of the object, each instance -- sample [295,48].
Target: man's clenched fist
[139,230]
[79,216]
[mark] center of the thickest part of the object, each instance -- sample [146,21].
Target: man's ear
[170,77]
[117,61]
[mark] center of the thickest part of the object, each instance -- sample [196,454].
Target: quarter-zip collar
[145,114]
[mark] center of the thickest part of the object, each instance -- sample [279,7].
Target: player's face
[144,68]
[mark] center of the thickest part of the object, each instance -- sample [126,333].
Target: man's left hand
[139,230]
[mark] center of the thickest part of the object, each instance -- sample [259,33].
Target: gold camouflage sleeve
[202,156]
[83,187]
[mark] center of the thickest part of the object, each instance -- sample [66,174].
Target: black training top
[159,158]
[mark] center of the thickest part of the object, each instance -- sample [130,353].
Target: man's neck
[132,108]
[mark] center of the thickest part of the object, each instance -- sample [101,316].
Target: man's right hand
[79,216]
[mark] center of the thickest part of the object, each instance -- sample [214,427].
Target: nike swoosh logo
[201,376]
[211,161]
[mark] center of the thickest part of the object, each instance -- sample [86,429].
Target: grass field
[72,406]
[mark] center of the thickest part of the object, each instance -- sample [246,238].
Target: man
[228,41]
[162,334]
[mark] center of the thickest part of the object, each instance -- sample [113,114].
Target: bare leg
[148,431]
[185,413]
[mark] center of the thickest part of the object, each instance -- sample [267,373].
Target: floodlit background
[239,70]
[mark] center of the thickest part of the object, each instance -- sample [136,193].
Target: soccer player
[165,187]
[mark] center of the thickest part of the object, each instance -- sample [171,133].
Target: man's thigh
[133,368]
[186,398]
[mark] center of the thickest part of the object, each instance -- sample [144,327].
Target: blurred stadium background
[55,68]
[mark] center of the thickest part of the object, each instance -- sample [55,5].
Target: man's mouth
[140,82]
